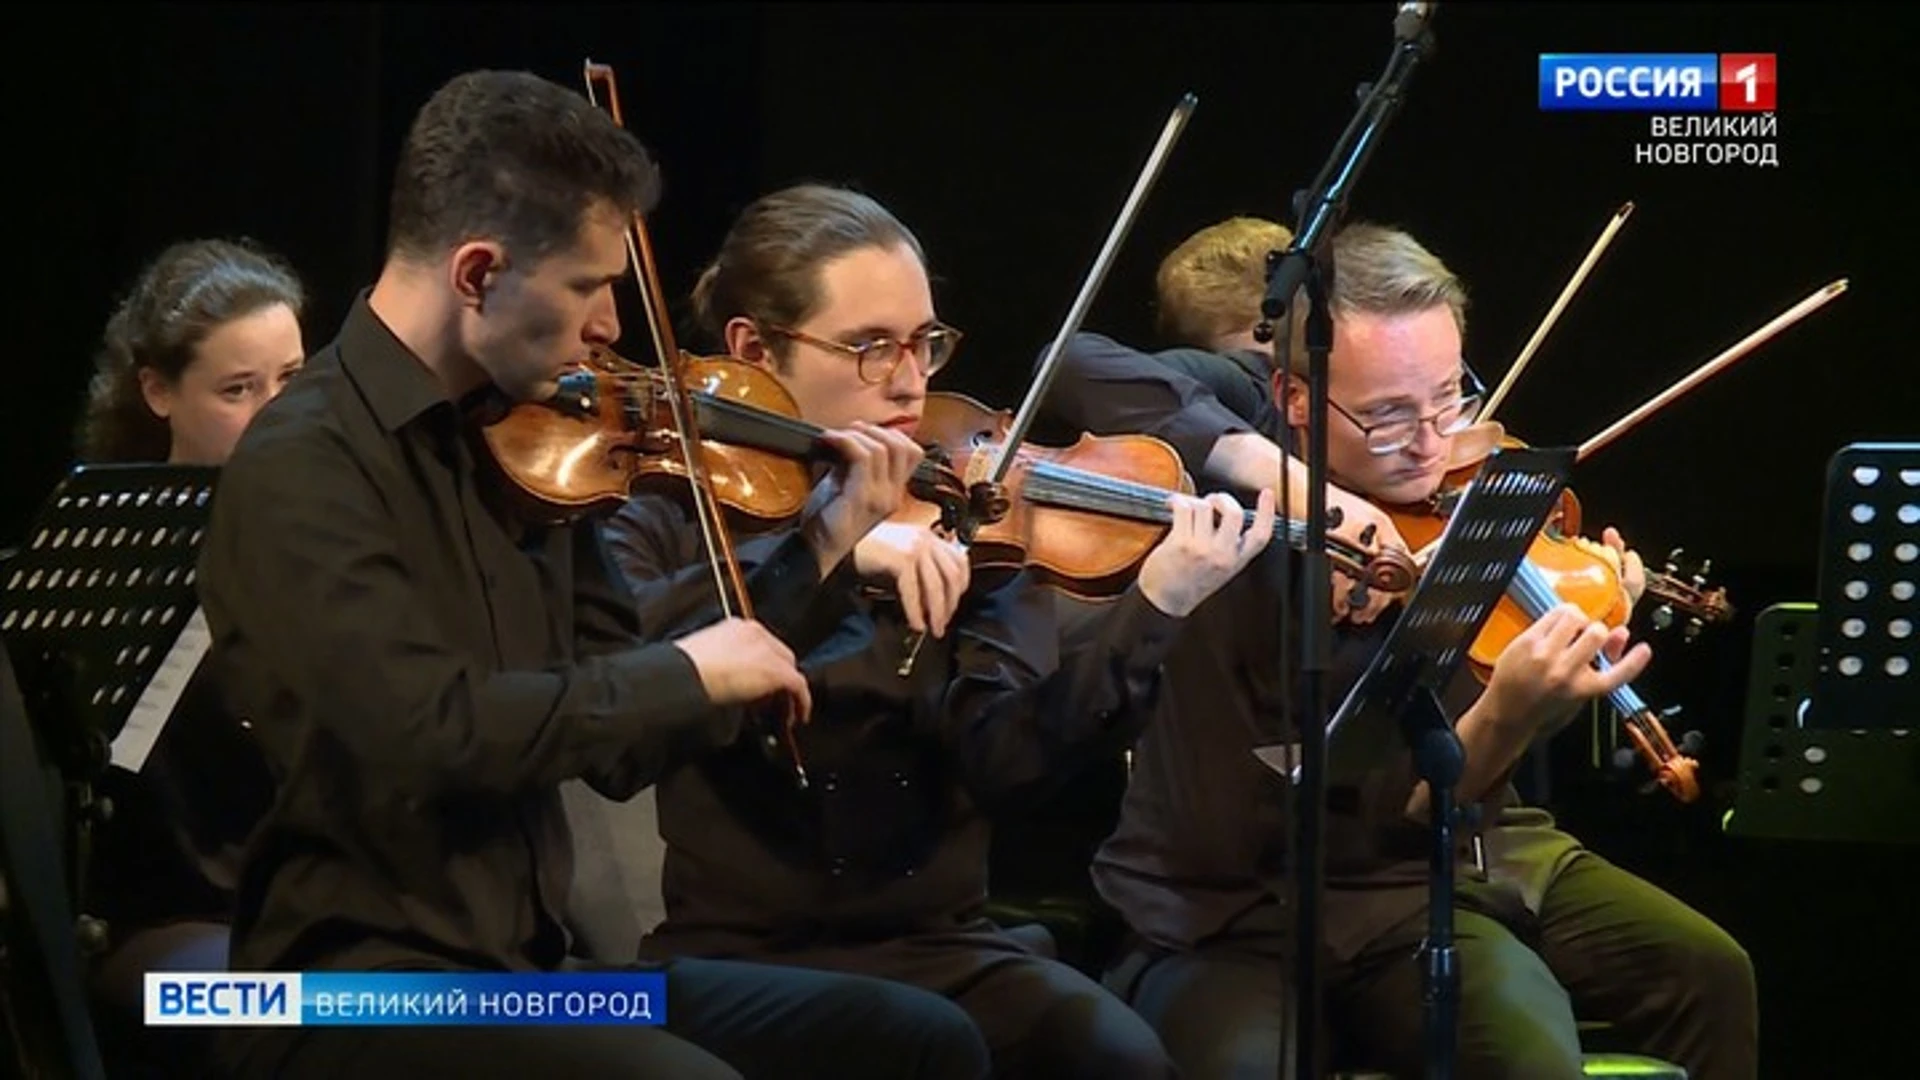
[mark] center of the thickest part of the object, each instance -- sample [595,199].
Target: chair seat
[1595,1065]
[1631,1065]
[1076,929]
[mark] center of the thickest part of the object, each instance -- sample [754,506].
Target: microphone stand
[1306,263]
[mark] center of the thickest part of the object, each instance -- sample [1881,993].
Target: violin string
[1536,597]
[1086,490]
[775,425]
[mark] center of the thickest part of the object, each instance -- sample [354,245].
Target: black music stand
[94,603]
[1802,782]
[1869,578]
[1396,701]
[43,1007]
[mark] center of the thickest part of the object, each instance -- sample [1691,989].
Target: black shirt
[422,672]
[1188,397]
[906,772]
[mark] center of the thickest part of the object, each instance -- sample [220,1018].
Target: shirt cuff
[670,692]
[785,585]
[1143,636]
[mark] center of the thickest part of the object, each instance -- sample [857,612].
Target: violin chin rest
[1474,444]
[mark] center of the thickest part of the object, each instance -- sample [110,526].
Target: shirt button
[830,783]
[901,779]
[838,867]
[910,871]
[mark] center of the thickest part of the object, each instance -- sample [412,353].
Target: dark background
[1008,137]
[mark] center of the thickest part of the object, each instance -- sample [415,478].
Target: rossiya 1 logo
[1726,101]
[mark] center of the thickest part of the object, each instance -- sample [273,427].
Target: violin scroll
[964,507]
[1674,767]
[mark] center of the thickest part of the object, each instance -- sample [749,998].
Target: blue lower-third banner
[413,998]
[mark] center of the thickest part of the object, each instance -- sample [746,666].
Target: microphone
[1411,21]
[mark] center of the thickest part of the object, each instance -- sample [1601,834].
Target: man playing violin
[424,666]
[880,866]
[1546,930]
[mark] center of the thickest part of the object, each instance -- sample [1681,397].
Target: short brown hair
[1380,270]
[1212,284]
[179,299]
[511,156]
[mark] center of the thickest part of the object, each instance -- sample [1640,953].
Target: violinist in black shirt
[880,865]
[424,667]
[1547,930]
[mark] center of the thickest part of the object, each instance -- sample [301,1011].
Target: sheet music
[155,707]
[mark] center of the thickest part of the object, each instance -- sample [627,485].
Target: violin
[1083,517]
[610,432]
[1583,571]
[614,425]
[1560,567]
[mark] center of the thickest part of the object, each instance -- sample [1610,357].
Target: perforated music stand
[1396,702]
[1800,782]
[1866,675]
[93,604]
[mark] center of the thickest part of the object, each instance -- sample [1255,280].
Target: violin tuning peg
[1335,517]
[1624,759]
[1663,617]
[1673,562]
[1691,742]
[1670,711]
[1367,534]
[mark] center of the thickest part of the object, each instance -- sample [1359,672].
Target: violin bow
[1794,314]
[1003,458]
[729,583]
[1096,276]
[1553,313]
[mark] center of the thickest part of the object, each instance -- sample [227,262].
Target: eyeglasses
[1396,433]
[880,357]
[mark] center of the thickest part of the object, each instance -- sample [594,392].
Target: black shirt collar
[1255,363]
[396,383]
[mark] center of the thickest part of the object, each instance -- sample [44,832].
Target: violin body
[1091,550]
[1571,569]
[610,433]
[1577,569]
[1578,576]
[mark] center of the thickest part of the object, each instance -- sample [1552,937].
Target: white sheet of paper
[155,707]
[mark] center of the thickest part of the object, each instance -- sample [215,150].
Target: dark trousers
[1041,1018]
[117,989]
[1608,946]
[726,1020]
